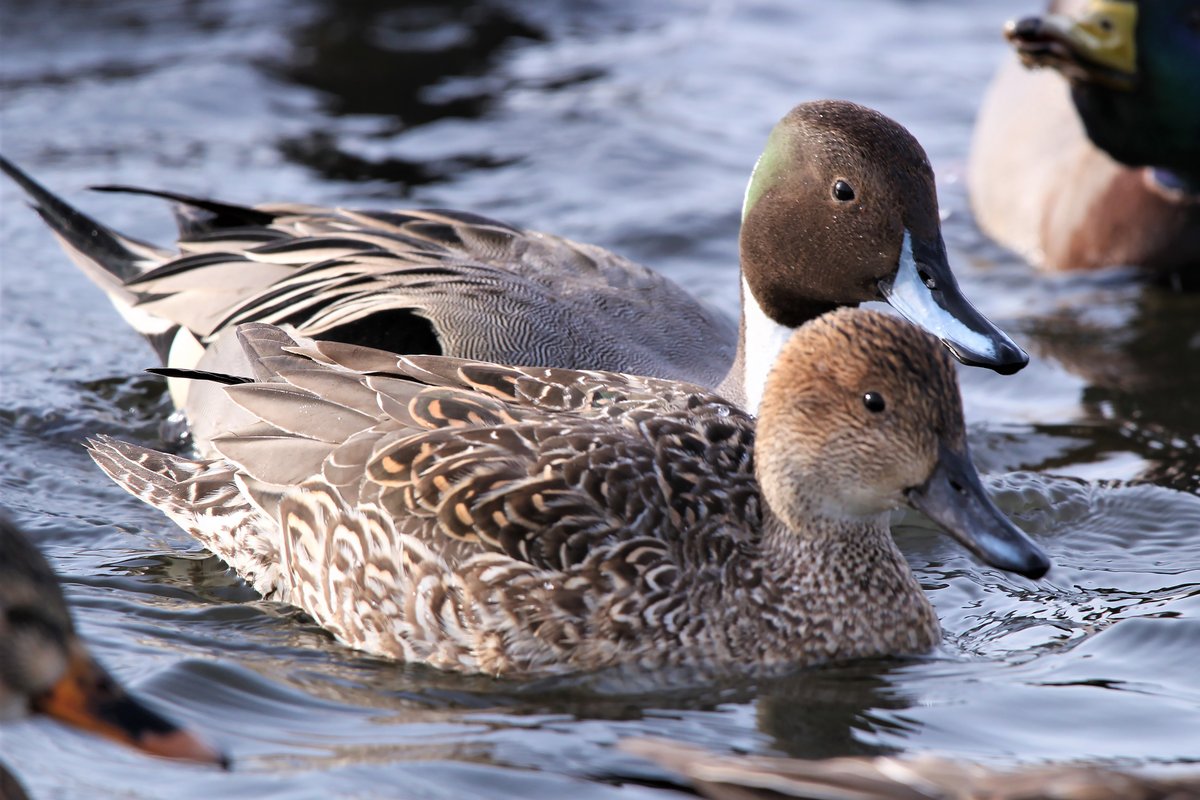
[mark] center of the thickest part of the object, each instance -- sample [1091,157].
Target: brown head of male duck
[841,209]
[521,521]
[45,668]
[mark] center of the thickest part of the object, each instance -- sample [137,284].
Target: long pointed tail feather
[198,215]
[109,258]
[199,375]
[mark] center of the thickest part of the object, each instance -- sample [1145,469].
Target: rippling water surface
[634,127]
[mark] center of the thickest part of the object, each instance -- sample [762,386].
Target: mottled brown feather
[530,520]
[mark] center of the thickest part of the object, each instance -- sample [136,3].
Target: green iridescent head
[1134,68]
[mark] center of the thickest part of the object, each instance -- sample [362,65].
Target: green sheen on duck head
[827,207]
[1157,123]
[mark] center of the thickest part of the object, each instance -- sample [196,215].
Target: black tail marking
[219,215]
[85,234]
[199,375]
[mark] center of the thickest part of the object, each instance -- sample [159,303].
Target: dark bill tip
[184,745]
[88,698]
[925,292]
[1008,358]
[1028,31]
[955,499]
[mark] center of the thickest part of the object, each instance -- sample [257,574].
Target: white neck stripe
[764,339]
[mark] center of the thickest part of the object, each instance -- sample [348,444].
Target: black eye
[843,191]
[1106,24]
[874,402]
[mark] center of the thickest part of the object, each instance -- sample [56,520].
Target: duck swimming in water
[528,521]
[841,209]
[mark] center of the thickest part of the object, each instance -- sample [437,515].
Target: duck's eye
[843,191]
[874,402]
[1105,24]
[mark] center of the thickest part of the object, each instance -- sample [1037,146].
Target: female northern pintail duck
[738,777]
[1103,168]
[841,209]
[519,521]
[45,667]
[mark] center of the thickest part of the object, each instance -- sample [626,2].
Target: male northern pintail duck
[523,521]
[739,777]
[1104,167]
[45,667]
[841,209]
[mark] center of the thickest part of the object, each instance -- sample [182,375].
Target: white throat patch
[764,339]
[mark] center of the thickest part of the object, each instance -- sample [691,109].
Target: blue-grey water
[633,125]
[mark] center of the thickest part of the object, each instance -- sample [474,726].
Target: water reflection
[828,711]
[1141,360]
[833,711]
[406,65]
[386,58]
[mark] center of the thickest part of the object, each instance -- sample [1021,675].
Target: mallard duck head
[1134,69]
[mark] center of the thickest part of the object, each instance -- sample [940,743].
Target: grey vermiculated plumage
[518,521]
[331,268]
[488,290]
[462,285]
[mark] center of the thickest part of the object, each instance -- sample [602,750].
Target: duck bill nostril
[924,291]
[955,499]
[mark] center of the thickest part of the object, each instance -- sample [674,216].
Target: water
[633,127]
